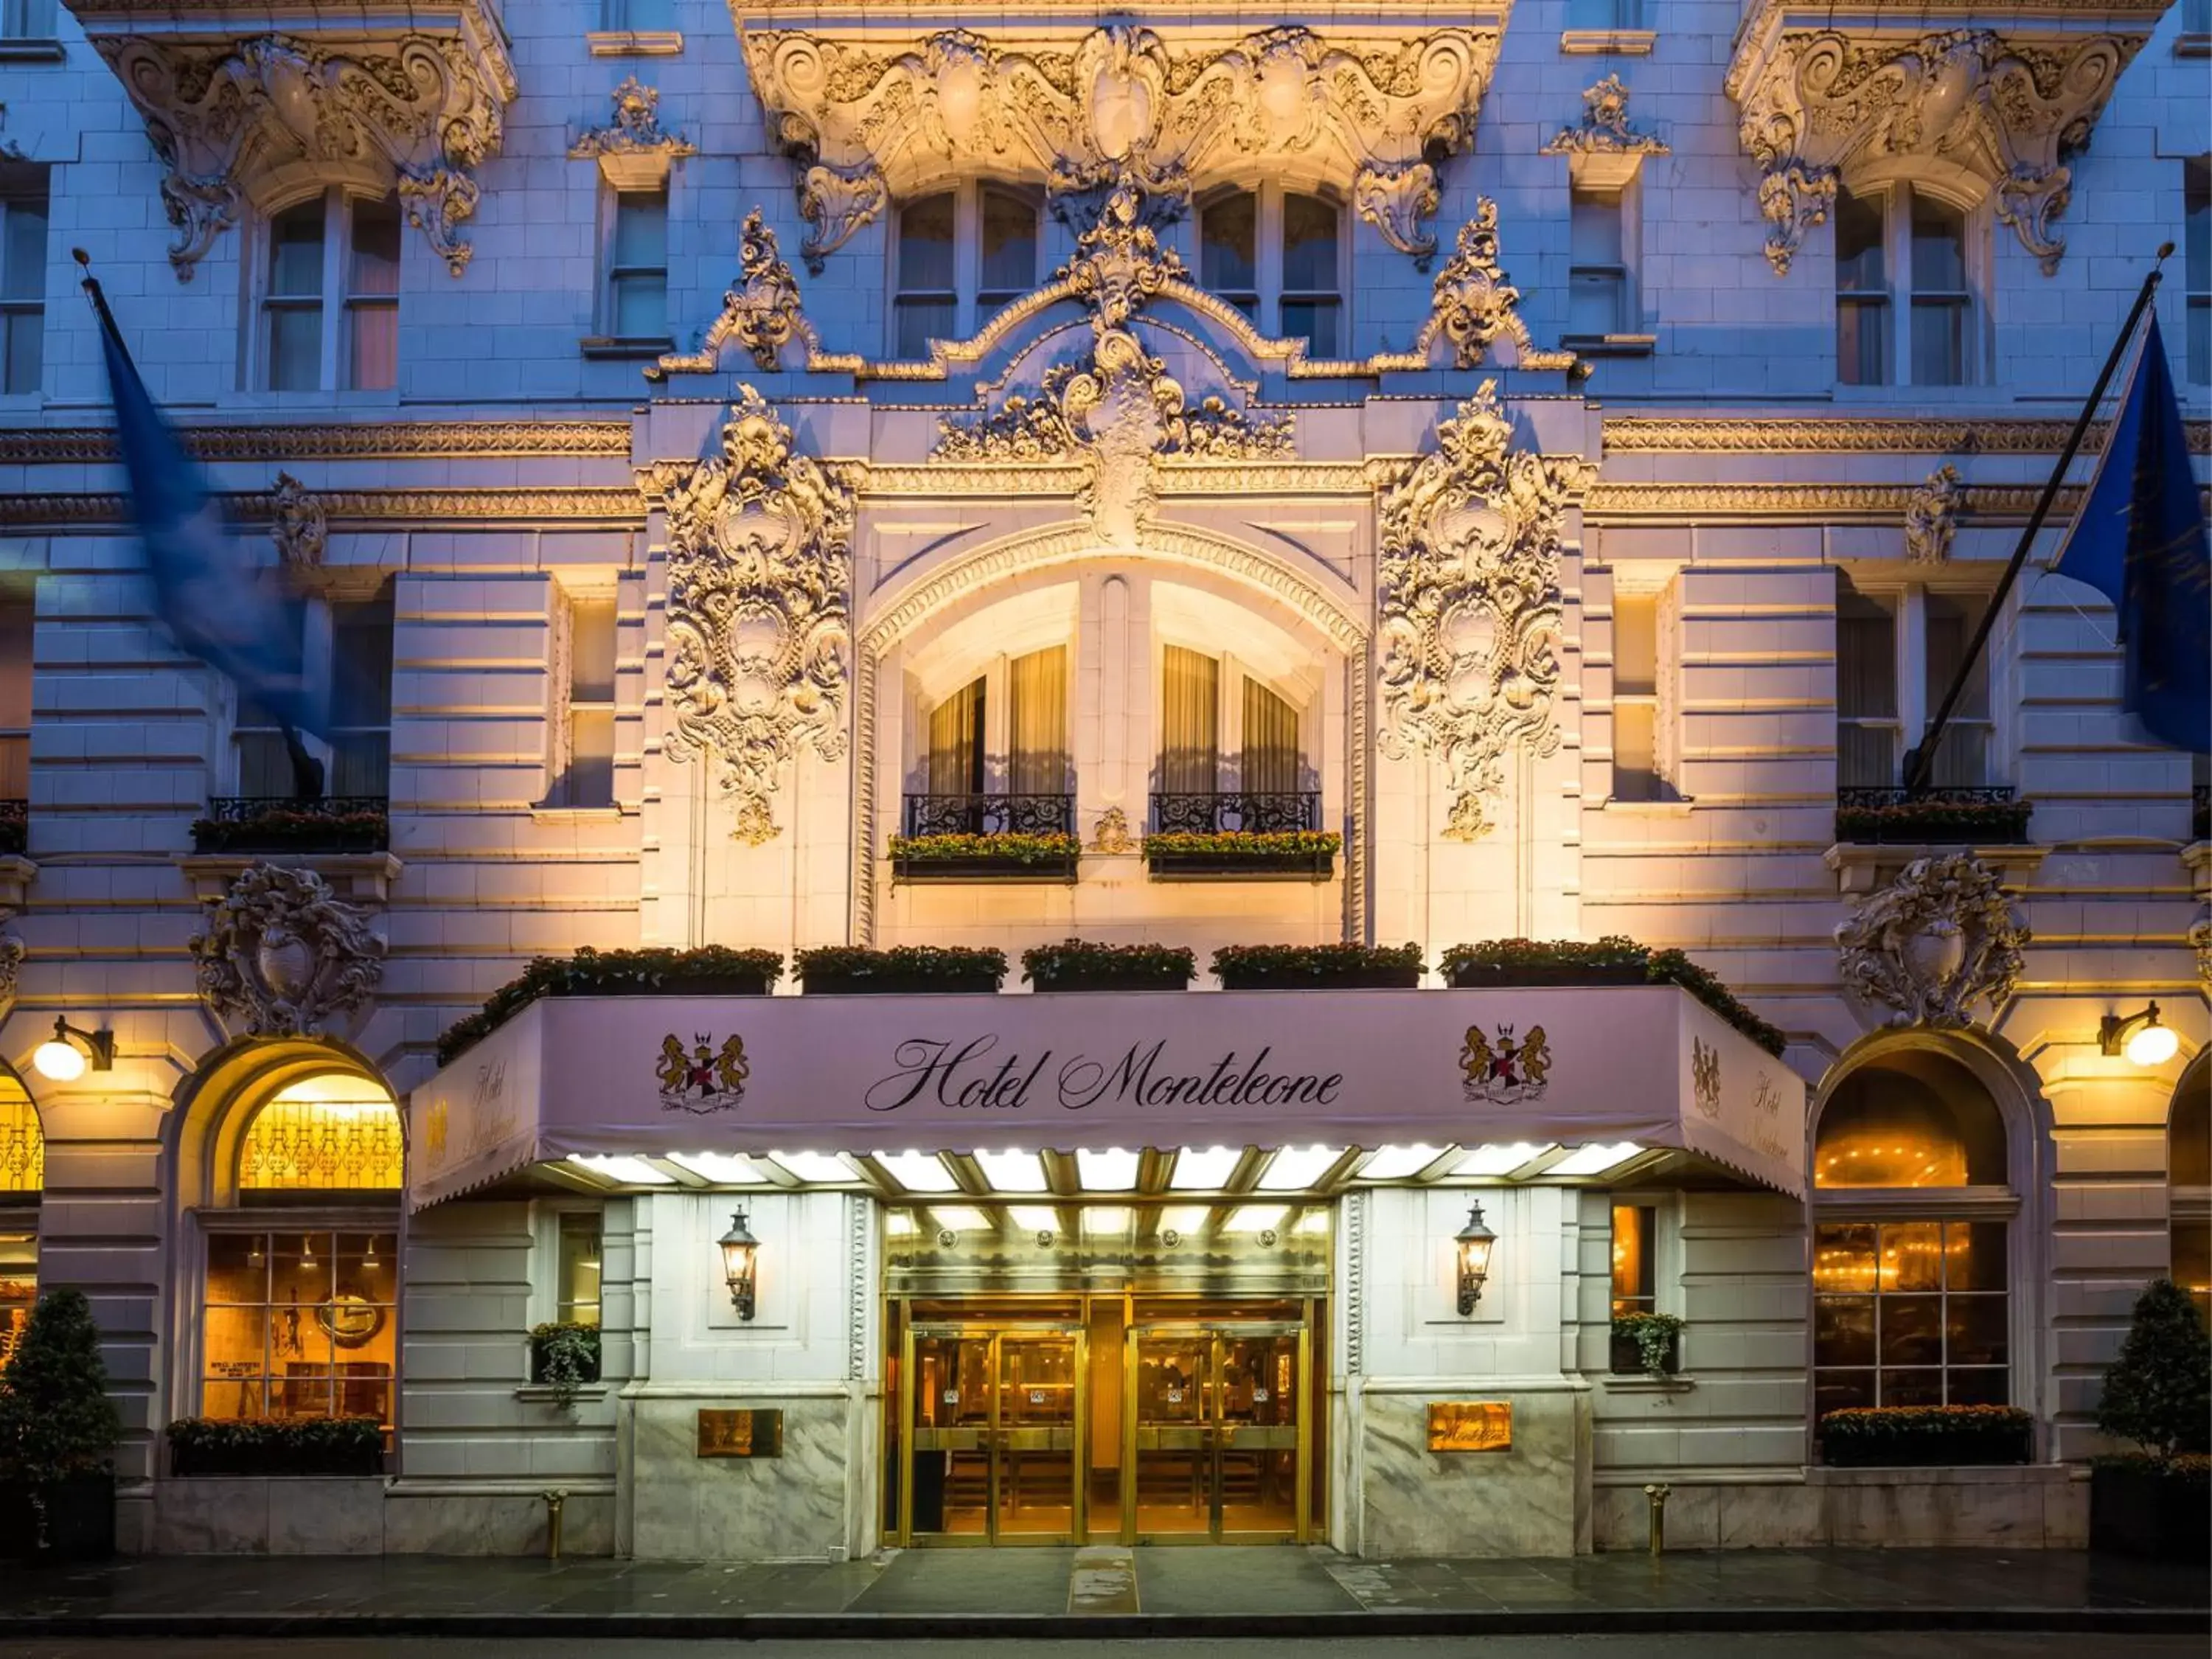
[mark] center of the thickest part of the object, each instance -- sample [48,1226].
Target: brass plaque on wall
[1471,1425]
[741,1433]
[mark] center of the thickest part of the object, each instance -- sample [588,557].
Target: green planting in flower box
[1317,967]
[1079,965]
[709,970]
[854,970]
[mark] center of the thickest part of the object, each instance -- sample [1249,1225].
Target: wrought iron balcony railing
[1240,833]
[2200,811]
[15,826]
[1236,812]
[980,837]
[1989,815]
[279,824]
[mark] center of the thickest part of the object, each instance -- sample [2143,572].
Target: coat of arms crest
[701,1078]
[1706,1076]
[1506,1069]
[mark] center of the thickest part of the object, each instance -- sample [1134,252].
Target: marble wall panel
[686,1507]
[1534,1499]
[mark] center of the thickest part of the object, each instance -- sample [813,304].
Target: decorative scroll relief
[1474,305]
[1470,605]
[298,524]
[1373,113]
[631,149]
[1120,412]
[761,315]
[1937,940]
[1931,517]
[2006,108]
[234,119]
[280,954]
[1604,151]
[760,565]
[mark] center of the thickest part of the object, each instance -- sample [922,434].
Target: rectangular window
[1635,698]
[1635,1258]
[293,301]
[371,296]
[956,743]
[637,16]
[299,1325]
[1909,1313]
[589,777]
[1229,252]
[927,304]
[1010,252]
[1866,689]
[22,280]
[1862,292]
[1605,13]
[1312,282]
[16,632]
[1962,757]
[637,266]
[577,1300]
[1271,756]
[19,1289]
[1036,701]
[2196,260]
[1190,722]
[264,765]
[1597,270]
[360,697]
[1941,301]
[27,20]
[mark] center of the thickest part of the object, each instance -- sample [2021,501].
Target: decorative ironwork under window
[321,1146]
[972,837]
[1240,833]
[15,826]
[277,823]
[22,1146]
[1950,815]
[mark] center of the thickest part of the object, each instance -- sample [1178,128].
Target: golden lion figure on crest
[701,1072]
[1506,1067]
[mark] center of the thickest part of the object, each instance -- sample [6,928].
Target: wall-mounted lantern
[2138,1036]
[1475,1243]
[740,1259]
[59,1058]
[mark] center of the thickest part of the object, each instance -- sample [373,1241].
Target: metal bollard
[553,1500]
[1657,1497]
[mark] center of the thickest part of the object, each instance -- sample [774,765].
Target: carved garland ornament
[1470,605]
[1931,517]
[867,125]
[1820,106]
[283,954]
[1473,304]
[760,562]
[1934,942]
[414,112]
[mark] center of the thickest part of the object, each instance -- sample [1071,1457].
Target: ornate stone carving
[1852,435]
[297,525]
[1470,606]
[1931,517]
[762,314]
[2200,941]
[1472,303]
[1605,149]
[1999,111]
[760,564]
[361,441]
[1937,940]
[1111,834]
[417,109]
[282,954]
[12,952]
[868,124]
[632,149]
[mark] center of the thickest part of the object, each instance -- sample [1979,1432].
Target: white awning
[1103,1093]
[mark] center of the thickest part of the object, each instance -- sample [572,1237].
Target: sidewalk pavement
[1107,1592]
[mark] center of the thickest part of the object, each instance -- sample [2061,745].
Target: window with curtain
[1635,1258]
[1228,251]
[1190,722]
[1313,281]
[1866,689]
[1008,267]
[1862,349]
[956,743]
[1271,755]
[372,297]
[1036,686]
[1635,698]
[293,298]
[1962,758]
[264,766]
[926,306]
[1941,301]
[22,279]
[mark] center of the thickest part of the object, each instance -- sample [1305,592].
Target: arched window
[961,256]
[926,306]
[1910,1252]
[298,1316]
[2189,1177]
[1226,734]
[1278,257]
[1904,290]
[22,1173]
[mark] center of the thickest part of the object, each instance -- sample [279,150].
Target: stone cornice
[1977,102]
[247,105]
[1821,503]
[563,507]
[384,441]
[1664,435]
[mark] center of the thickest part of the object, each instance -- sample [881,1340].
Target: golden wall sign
[740,1433]
[1470,1425]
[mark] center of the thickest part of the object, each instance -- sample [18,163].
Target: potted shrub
[2158,1393]
[854,970]
[1318,967]
[1648,1342]
[1925,1436]
[564,1357]
[1309,854]
[281,1446]
[1076,964]
[58,1430]
[284,826]
[710,970]
[1934,820]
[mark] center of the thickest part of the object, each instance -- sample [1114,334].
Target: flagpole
[1921,757]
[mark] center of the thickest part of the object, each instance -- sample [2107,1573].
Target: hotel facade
[785,476]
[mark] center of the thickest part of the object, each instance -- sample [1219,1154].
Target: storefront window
[19,1289]
[299,1324]
[578,1302]
[2189,1197]
[1635,1287]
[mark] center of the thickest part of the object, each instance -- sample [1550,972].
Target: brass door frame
[992,1437]
[1214,1432]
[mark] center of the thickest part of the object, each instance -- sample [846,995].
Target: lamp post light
[60,1059]
[740,1259]
[1475,1243]
[2138,1036]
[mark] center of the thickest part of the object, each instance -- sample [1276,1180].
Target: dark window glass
[926,307]
[1009,249]
[1228,253]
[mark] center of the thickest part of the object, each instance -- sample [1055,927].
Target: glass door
[1216,1446]
[994,1418]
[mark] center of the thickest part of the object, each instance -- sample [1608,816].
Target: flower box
[711,970]
[1626,1356]
[995,855]
[1078,966]
[904,969]
[1613,960]
[1318,967]
[1303,854]
[1491,976]
[283,826]
[281,1446]
[1925,1436]
[1933,820]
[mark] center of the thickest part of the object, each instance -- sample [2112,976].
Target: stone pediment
[1978,101]
[871,119]
[247,103]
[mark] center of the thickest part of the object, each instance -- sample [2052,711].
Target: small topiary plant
[57,1422]
[2159,1391]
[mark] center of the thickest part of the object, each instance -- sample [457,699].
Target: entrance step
[1103,1580]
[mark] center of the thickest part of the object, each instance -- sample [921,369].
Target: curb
[850,1626]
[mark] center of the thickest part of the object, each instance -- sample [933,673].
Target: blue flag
[218,602]
[2139,540]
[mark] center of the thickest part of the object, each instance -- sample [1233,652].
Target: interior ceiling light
[1594,1159]
[1498,1157]
[959,1218]
[1256,1218]
[1033,1217]
[1105,1221]
[1013,1172]
[1296,1167]
[823,1168]
[720,1167]
[918,1172]
[1204,1169]
[631,1171]
[1112,1170]
[1396,1163]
